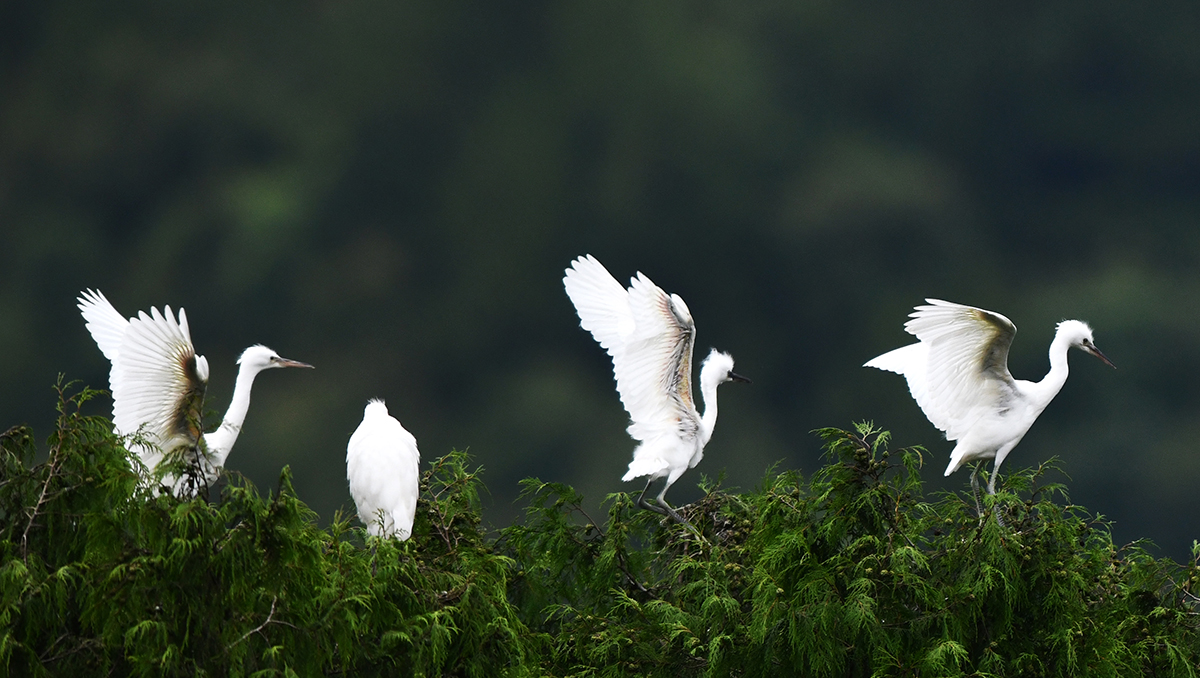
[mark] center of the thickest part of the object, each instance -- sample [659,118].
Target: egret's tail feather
[645,467]
[956,461]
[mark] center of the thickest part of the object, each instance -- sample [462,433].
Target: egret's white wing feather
[383,468]
[105,324]
[909,361]
[156,384]
[601,301]
[654,372]
[901,360]
[964,372]
[649,336]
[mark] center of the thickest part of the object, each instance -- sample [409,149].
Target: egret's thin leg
[662,496]
[676,517]
[642,503]
[975,491]
[663,507]
[992,491]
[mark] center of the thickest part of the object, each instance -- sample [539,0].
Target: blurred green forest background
[391,191]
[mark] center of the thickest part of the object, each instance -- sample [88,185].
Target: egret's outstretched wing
[383,467]
[965,371]
[649,336]
[158,383]
[601,302]
[105,324]
[654,372]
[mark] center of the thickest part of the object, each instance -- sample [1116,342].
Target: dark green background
[391,190]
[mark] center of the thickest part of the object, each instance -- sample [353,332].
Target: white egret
[158,384]
[958,374]
[384,470]
[650,336]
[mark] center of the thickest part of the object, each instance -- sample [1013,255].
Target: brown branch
[443,529]
[55,458]
[260,627]
[624,568]
[620,555]
[84,644]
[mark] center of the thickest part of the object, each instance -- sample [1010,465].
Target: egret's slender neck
[709,380]
[1053,382]
[221,441]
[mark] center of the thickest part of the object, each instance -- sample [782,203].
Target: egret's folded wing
[966,372]
[105,324]
[155,381]
[654,369]
[383,466]
[601,302]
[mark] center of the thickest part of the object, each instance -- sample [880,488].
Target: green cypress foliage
[98,576]
[853,572]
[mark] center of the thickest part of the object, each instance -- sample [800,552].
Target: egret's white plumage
[958,374]
[383,467]
[158,384]
[650,336]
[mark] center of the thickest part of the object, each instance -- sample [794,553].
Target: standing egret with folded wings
[383,468]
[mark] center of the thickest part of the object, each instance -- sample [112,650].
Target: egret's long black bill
[1096,352]
[737,377]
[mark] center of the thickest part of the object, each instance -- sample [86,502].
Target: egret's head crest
[1075,331]
[259,357]
[257,351]
[716,357]
[717,368]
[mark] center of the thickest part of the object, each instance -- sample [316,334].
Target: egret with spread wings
[958,374]
[383,467]
[158,384]
[650,336]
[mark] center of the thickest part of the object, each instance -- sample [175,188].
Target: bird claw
[665,510]
[642,503]
[674,515]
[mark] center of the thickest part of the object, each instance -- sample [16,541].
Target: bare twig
[442,528]
[260,627]
[625,568]
[589,519]
[219,544]
[84,644]
[55,458]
